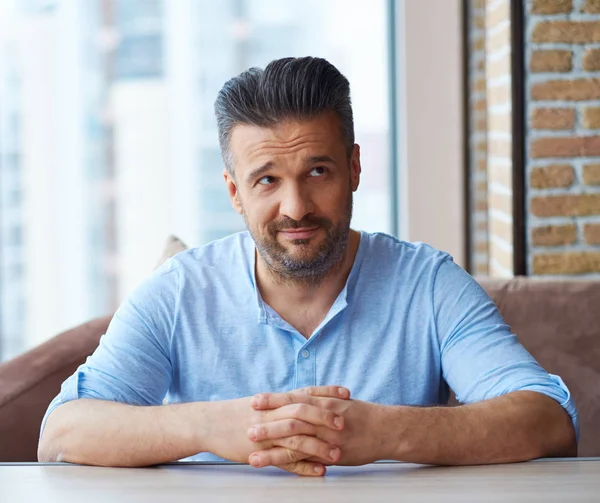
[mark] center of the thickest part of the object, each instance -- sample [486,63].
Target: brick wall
[563,137]
[499,133]
[490,117]
[478,138]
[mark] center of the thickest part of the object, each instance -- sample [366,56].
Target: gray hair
[288,88]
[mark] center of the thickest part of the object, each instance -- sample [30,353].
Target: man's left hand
[361,441]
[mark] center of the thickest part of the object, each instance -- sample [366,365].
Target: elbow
[47,451]
[563,435]
[567,447]
[53,438]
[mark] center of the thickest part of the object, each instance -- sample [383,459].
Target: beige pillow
[172,247]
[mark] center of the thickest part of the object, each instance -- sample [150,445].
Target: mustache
[289,223]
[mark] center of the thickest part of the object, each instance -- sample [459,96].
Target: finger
[264,401]
[280,429]
[274,400]
[308,446]
[305,468]
[300,467]
[312,414]
[327,391]
[293,449]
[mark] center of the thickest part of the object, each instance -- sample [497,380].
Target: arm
[110,411]
[98,432]
[514,410]
[519,426]
[504,388]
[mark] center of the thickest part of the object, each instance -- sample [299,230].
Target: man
[248,348]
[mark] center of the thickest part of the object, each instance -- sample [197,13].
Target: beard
[304,265]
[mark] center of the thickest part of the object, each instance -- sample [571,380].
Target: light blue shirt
[408,323]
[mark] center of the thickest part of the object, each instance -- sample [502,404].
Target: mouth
[300,233]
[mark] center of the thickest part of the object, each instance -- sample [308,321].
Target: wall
[430,146]
[563,183]
[490,137]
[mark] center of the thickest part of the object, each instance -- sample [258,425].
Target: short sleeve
[481,357]
[132,363]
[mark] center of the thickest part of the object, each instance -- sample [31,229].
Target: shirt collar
[268,316]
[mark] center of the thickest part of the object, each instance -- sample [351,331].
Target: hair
[288,88]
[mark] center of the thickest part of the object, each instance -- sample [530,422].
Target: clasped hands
[301,431]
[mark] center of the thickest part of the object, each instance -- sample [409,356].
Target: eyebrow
[258,172]
[319,158]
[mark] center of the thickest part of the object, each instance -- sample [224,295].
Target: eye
[318,171]
[266,180]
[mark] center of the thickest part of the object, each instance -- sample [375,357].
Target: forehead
[250,143]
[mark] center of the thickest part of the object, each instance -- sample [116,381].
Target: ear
[232,190]
[355,168]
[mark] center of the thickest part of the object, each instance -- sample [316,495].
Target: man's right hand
[232,421]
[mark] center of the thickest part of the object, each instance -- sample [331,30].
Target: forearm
[515,427]
[97,432]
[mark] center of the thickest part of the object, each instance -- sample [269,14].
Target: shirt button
[305,353]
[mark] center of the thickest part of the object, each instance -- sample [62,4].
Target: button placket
[305,368]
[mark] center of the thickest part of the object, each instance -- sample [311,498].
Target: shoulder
[384,251]
[225,257]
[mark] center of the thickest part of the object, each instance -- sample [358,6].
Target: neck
[277,289]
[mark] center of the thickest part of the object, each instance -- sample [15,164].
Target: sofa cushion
[30,381]
[557,321]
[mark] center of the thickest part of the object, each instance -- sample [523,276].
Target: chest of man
[391,359]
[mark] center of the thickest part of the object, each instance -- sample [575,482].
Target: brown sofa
[557,321]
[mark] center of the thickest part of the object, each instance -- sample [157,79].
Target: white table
[564,480]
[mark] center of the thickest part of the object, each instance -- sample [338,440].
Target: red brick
[591,233]
[552,6]
[481,247]
[558,175]
[478,22]
[567,32]
[583,146]
[479,85]
[553,118]
[554,235]
[570,90]
[591,60]
[591,174]
[591,118]
[567,263]
[592,7]
[480,105]
[551,61]
[570,205]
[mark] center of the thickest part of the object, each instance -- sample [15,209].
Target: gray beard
[287,270]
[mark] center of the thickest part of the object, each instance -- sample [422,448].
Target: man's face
[293,184]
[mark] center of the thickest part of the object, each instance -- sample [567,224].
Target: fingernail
[342,391]
[253,433]
[318,470]
[333,454]
[338,421]
[254,401]
[255,461]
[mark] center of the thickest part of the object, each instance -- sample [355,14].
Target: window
[106,110]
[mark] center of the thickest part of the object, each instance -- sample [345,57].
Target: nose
[296,202]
